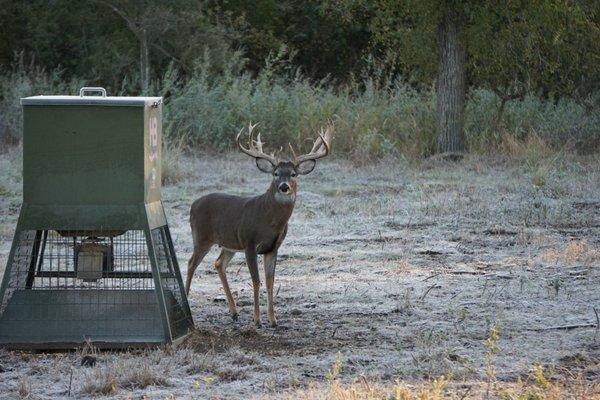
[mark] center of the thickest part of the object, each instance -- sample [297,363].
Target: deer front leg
[270,260]
[252,261]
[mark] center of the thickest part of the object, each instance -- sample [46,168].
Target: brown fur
[254,225]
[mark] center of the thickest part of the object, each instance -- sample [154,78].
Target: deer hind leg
[221,266]
[270,260]
[195,260]
[251,260]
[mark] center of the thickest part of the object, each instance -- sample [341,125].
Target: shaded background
[369,67]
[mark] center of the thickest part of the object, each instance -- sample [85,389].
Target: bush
[27,80]
[559,124]
[374,116]
[371,119]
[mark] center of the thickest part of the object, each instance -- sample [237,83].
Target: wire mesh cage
[75,286]
[92,258]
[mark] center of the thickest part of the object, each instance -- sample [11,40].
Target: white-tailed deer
[253,225]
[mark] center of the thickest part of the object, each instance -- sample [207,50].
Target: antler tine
[320,148]
[318,142]
[293,152]
[252,150]
[259,143]
[250,138]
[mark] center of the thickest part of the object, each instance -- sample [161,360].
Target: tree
[519,47]
[450,83]
[140,18]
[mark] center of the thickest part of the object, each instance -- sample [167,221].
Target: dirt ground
[480,271]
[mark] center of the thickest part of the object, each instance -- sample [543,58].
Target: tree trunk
[451,90]
[144,62]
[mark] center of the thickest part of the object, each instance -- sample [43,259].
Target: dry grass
[442,389]
[573,252]
[24,389]
[537,387]
[532,148]
[101,381]
[172,170]
[365,390]
[10,172]
[231,374]
[123,374]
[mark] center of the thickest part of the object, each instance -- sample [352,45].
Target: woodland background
[401,78]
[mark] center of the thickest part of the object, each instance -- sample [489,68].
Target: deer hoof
[258,323]
[273,324]
[234,316]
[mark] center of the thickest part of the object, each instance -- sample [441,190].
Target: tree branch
[130,23]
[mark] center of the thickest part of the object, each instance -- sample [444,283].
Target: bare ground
[394,272]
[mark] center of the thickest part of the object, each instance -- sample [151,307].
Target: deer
[252,225]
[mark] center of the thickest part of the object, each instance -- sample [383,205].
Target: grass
[24,389]
[364,269]
[445,389]
[125,374]
[11,166]
[172,170]
[537,386]
[578,252]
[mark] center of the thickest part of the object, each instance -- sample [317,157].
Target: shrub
[27,80]
[374,116]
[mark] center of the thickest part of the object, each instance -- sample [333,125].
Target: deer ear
[306,167]
[265,165]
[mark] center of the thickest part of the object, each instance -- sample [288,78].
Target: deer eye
[294,174]
[276,173]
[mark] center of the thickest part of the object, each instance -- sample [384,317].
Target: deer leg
[195,260]
[270,260]
[221,266]
[251,260]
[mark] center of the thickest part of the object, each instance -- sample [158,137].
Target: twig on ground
[564,327]
[500,276]
[464,395]
[465,272]
[431,276]
[70,382]
[435,286]
[597,323]
[335,331]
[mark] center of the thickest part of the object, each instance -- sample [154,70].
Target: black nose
[284,187]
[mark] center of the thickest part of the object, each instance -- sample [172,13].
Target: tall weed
[375,115]
[22,80]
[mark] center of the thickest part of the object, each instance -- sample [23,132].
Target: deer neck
[279,210]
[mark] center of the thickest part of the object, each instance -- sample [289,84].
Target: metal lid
[84,100]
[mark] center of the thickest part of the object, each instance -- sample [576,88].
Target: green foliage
[515,48]
[368,67]
[374,116]
[371,119]
[565,123]
[25,80]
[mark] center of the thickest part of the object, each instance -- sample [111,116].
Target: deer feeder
[92,258]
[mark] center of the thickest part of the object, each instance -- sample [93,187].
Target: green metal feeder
[92,258]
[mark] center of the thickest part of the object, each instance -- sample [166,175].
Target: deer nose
[284,187]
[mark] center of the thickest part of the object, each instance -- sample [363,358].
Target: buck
[253,225]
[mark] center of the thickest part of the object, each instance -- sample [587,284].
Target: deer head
[285,171]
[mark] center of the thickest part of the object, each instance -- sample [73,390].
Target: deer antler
[319,150]
[254,146]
